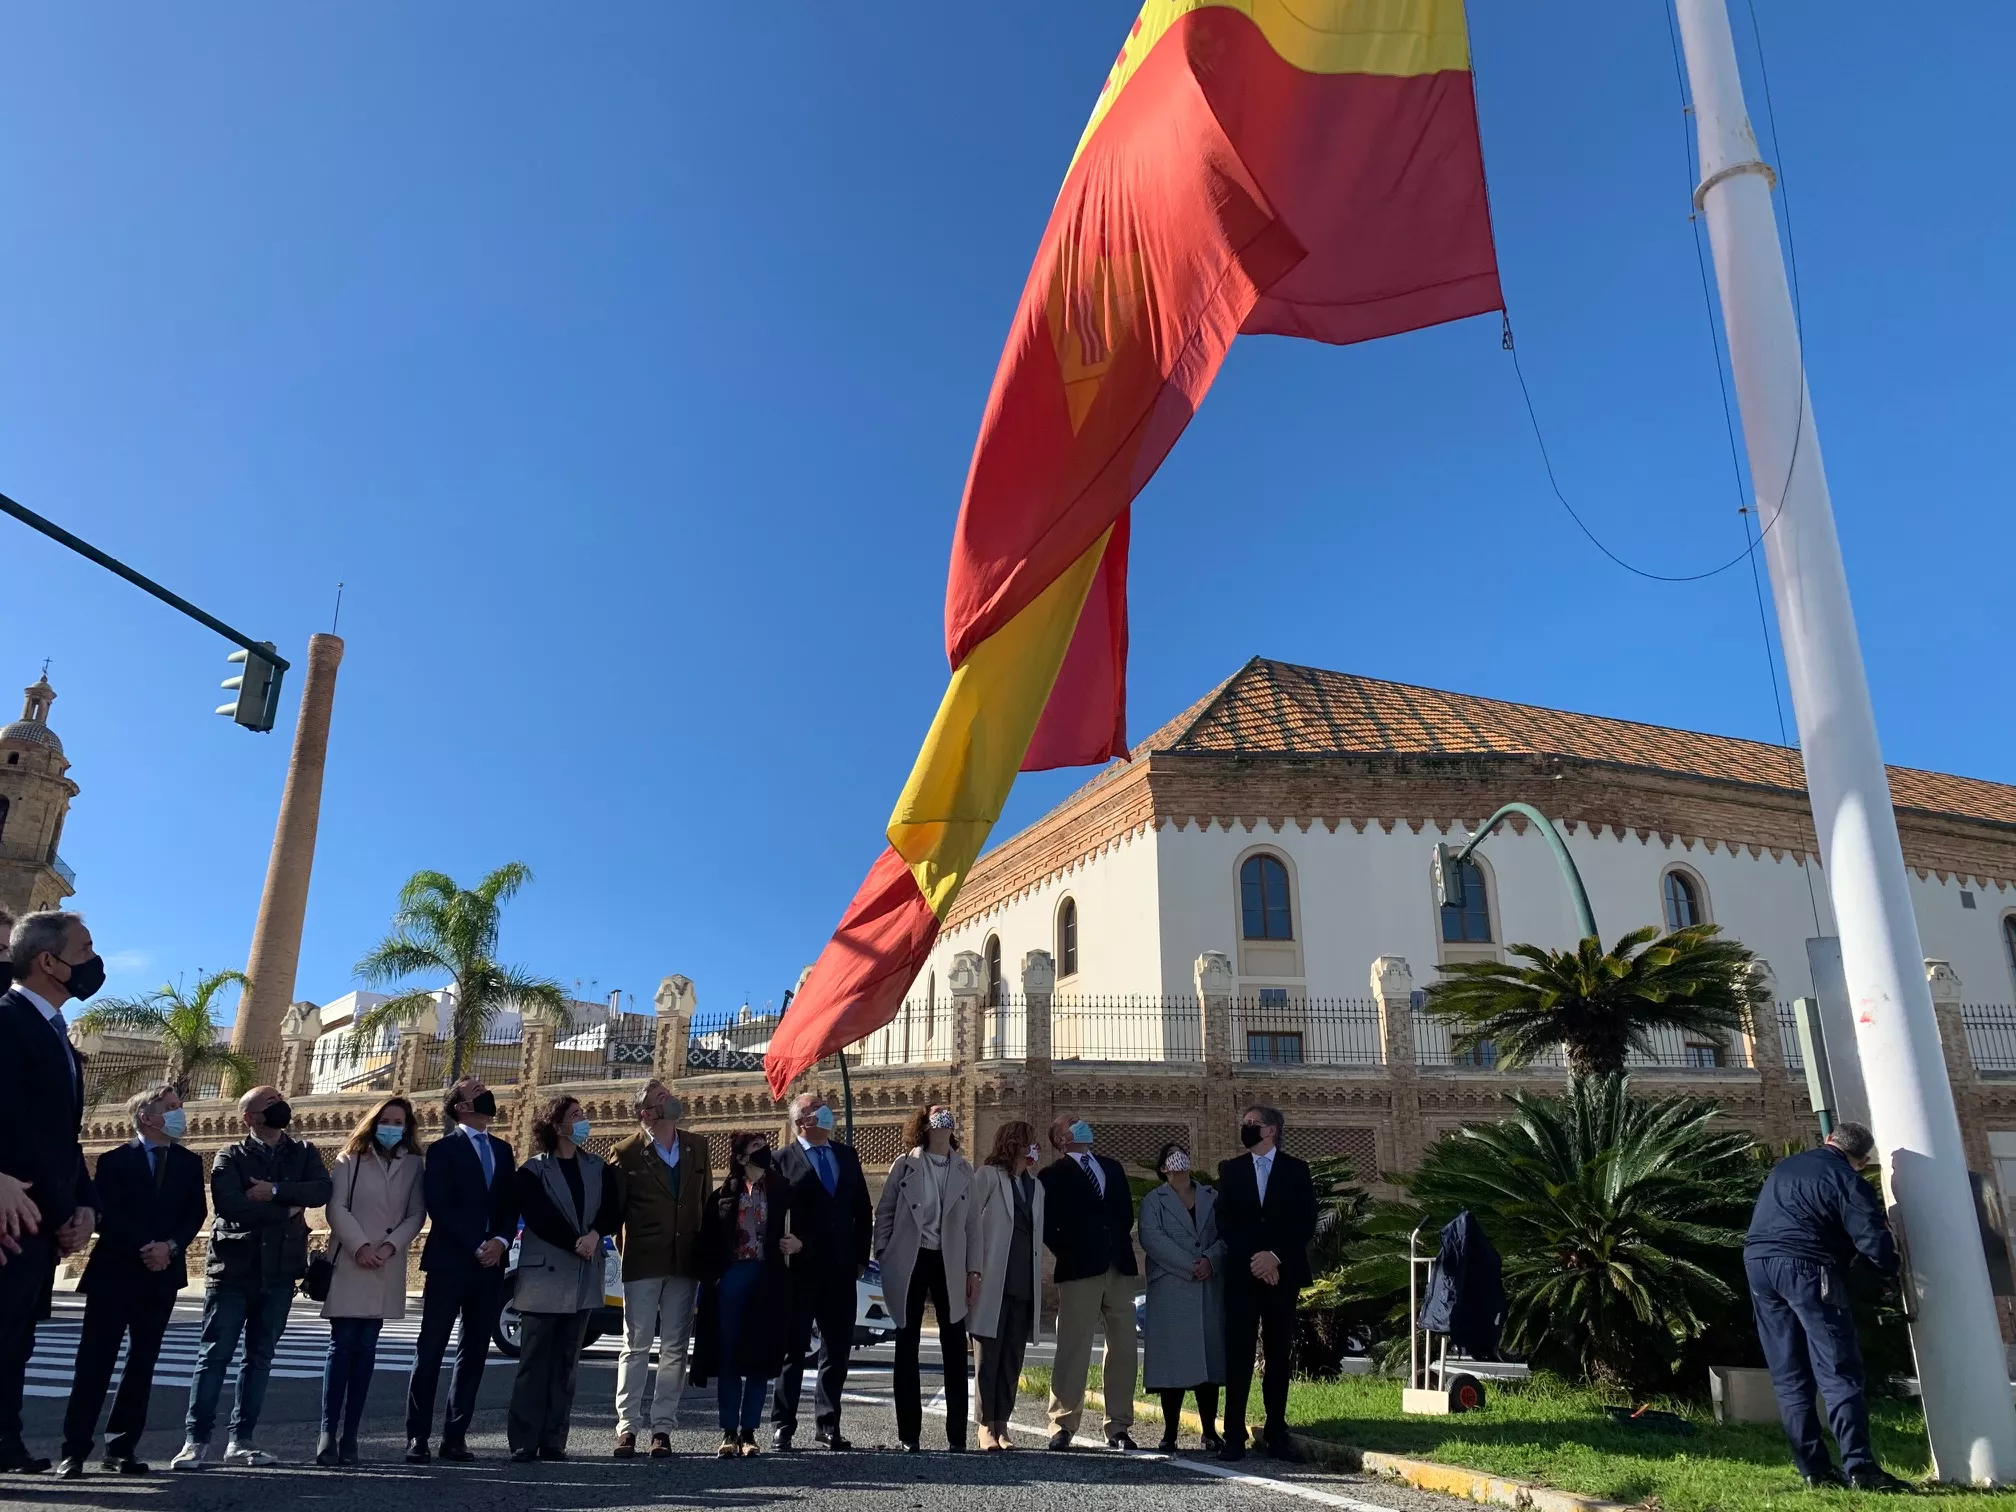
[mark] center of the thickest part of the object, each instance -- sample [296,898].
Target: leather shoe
[70,1467]
[546,1453]
[1168,1444]
[1212,1443]
[834,1441]
[1232,1451]
[1283,1449]
[524,1456]
[1060,1440]
[780,1440]
[456,1451]
[1124,1443]
[626,1446]
[1877,1479]
[1829,1479]
[20,1462]
[909,1446]
[661,1446]
[124,1464]
[416,1452]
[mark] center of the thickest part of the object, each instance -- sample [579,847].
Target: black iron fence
[117,1066]
[1671,1052]
[1125,1029]
[1991,1037]
[1275,1029]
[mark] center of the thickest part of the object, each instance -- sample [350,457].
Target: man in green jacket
[663,1176]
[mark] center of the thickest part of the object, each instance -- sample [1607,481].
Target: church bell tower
[34,800]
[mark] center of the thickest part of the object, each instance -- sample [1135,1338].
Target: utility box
[1742,1394]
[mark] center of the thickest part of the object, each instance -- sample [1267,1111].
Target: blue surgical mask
[823,1119]
[1081,1132]
[581,1130]
[174,1123]
[390,1135]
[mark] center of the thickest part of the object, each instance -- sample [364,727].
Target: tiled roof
[1272,708]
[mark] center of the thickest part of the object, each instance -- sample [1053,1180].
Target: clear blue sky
[625,360]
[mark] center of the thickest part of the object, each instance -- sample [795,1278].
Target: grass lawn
[1553,1434]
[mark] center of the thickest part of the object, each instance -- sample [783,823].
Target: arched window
[1263,899]
[1067,938]
[3,818]
[1469,924]
[2009,939]
[1683,901]
[993,959]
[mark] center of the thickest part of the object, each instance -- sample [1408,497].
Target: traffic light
[258,689]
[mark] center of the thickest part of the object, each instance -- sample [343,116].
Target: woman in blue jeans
[376,1204]
[742,1329]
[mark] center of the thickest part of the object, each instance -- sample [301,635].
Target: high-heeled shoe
[1212,1442]
[325,1451]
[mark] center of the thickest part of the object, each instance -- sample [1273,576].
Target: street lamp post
[1449,865]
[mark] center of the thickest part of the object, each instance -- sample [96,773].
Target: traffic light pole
[261,649]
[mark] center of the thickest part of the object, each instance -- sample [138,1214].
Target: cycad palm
[1597,1005]
[188,1034]
[1612,1214]
[445,930]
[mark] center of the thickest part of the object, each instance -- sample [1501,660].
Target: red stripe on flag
[861,976]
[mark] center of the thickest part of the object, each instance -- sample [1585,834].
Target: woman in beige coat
[376,1204]
[920,1240]
[1004,1276]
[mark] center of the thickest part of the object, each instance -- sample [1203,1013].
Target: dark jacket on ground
[837,1228]
[461,1212]
[662,1208]
[1088,1234]
[1282,1226]
[136,1209]
[1466,1290]
[254,1242]
[1815,1207]
[41,1112]
[766,1330]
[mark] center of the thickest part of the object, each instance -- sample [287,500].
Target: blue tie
[827,1178]
[482,1142]
[63,1038]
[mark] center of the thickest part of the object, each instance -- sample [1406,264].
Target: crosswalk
[303,1346]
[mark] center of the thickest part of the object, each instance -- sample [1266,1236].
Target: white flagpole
[1961,1366]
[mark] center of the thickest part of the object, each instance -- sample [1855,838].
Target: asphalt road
[872,1479]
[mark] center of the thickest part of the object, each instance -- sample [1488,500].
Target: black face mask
[1249,1135]
[86,977]
[760,1159]
[277,1115]
[6,975]
[484,1104]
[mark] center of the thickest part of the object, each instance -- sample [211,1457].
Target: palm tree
[188,1033]
[443,930]
[1616,1218]
[1597,1004]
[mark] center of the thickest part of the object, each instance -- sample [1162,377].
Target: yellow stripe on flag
[981,733]
[1397,38]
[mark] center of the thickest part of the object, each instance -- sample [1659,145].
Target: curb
[1422,1475]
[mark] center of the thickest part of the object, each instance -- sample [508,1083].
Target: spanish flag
[1280,167]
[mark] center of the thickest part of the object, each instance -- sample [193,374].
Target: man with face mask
[259,1189]
[472,1214]
[18,1214]
[150,1194]
[41,1111]
[831,1216]
[663,1175]
[1266,1216]
[1088,1224]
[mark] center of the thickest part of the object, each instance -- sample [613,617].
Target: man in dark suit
[1266,1216]
[471,1220]
[1088,1225]
[151,1205]
[831,1217]
[41,1110]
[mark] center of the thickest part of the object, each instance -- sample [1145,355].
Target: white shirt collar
[1266,1155]
[48,1008]
[808,1143]
[472,1131]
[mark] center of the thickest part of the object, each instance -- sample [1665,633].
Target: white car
[509,1334]
[872,1323]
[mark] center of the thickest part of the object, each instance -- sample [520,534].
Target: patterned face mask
[942,1119]
[1177,1161]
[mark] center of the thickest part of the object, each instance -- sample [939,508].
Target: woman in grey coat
[568,1203]
[920,1241]
[1186,1303]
